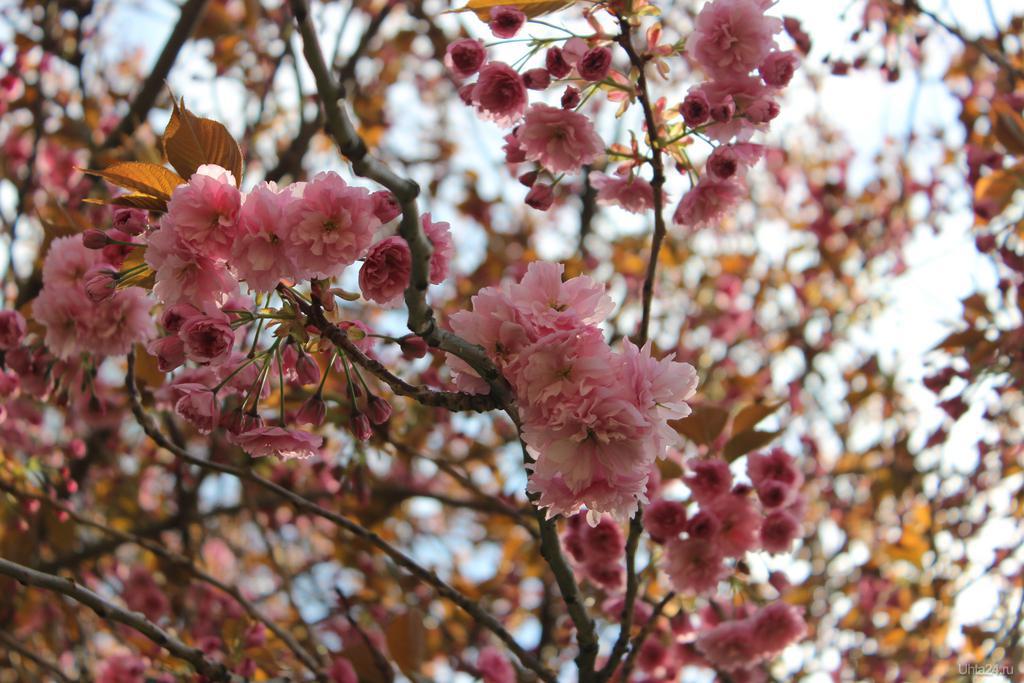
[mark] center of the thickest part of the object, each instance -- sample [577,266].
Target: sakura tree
[380,341]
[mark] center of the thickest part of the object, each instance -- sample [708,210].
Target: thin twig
[423,574]
[134,620]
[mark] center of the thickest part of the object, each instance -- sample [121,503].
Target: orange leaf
[406,638]
[1008,127]
[531,8]
[703,425]
[190,141]
[745,442]
[149,179]
[751,415]
[996,189]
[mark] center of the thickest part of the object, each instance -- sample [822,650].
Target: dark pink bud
[99,283]
[465,57]
[570,98]
[361,427]
[555,63]
[95,239]
[528,179]
[537,79]
[413,347]
[378,410]
[695,108]
[514,154]
[174,316]
[307,370]
[594,64]
[762,111]
[505,22]
[723,111]
[540,196]
[131,221]
[385,206]
[778,68]
[312,411]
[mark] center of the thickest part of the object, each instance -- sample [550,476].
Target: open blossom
[440,236]
[694,565]
[708,479]
[739,524]
[73,322]
[207,338]
[465,57]
[627,192]
[729,160]
[778,531]
[665,519]
[708,201]
[185,276]
[333,224]
[778,68]
[775,627]
[260,253]
[594,64]
[499,94]
[559,140]
[197,405]
[384,274]
[732,37]
[203,211]
[494,666]
[277,441]
[729,646]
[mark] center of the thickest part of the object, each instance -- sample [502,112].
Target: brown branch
[418,571]
[181,562]
[993,55]
[11,643]
[645,632]
[191,13]
[421,317]
[214,671]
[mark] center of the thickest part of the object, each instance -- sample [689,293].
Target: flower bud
[307,370]
[540,197]
[312,411]
[537,79]
[99,283]
[378,410]
[95,239]
[361,427]
[413,347]
[570,98]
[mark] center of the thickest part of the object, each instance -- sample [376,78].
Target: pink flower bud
[594,64]
[312,411]
[465,57]
[95,239]
[413,347]
[528,179]
[724,110]
[540,197]
[695,108]
[307,370]
[505,22]
[514,154]
[762,111]
[131,221]
[555,63]
[537,79]
[361,427]
[99,283]
[570,98]
[385,206]
[378,410]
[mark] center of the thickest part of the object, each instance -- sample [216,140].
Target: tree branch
[191,13]
[418,571]
[421,316]
[134,620]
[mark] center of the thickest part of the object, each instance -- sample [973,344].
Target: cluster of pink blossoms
[557,139]
[731,39]
[595,420]
[213,236]
[80,314]
[728,522]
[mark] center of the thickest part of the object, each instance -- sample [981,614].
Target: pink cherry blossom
[729,646]
[505,21]
[184,276]
[277,441]
[708,479]
[694,566]
[594,64]
[465,57]
[203,211]
[778,68]
[665,519]
[560,140]
[732,37]
[708,201]
[739,524]
[207,338]
[631,193]
[440,236]
[261,254]
[778,531]
[499,94]
[197,405]
[333,225]
[384,274]
[775,627]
